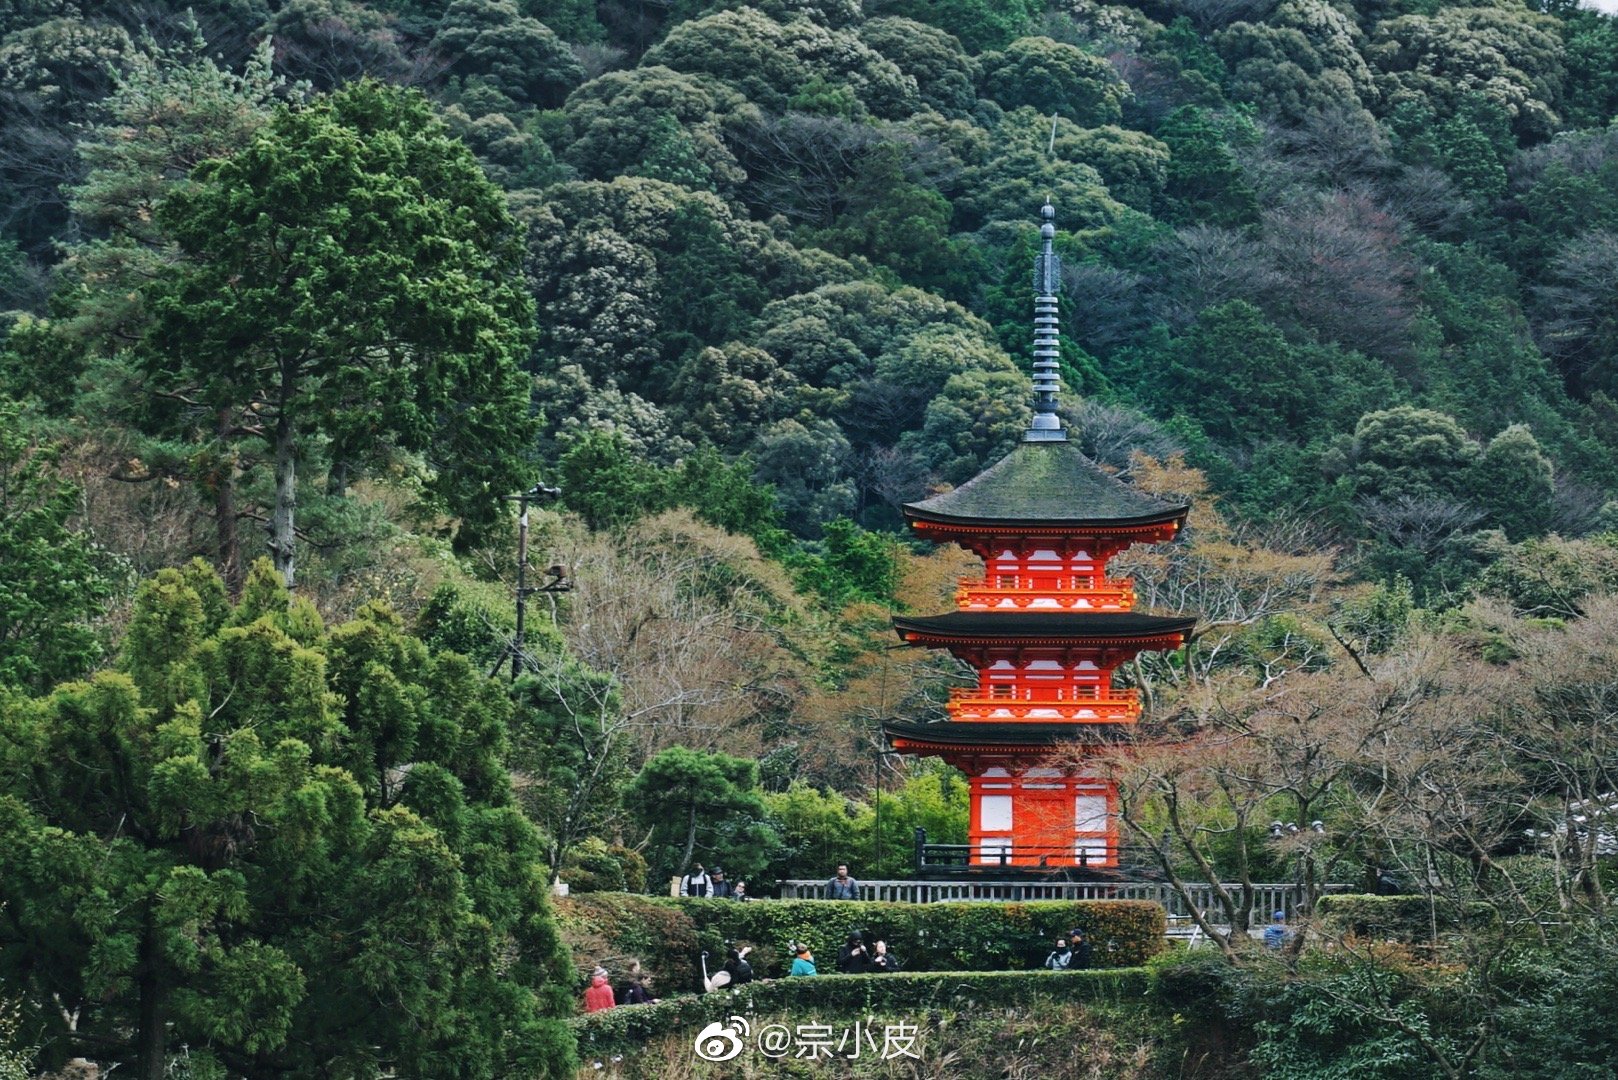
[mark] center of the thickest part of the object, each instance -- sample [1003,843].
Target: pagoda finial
[1046,425]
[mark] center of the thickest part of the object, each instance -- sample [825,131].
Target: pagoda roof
[974,734]
[1046,483]
[1052,626]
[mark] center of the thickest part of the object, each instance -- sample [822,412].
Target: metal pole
[557,583]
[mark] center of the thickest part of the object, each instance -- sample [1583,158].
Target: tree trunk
[224,509]
[151,1039]
[690,841]
[286,497]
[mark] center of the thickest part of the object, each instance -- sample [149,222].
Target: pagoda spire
[1046,426]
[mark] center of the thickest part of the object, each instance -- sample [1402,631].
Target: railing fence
[1267,897]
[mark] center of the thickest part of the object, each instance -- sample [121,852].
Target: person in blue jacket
[804,964]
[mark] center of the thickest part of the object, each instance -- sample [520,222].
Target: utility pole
[557,581]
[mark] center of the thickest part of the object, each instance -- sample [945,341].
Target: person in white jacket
[697,883]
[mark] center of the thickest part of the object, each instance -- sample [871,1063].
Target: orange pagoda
[1044,628]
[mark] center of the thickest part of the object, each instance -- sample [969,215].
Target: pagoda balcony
[1110,595]
[1075,705]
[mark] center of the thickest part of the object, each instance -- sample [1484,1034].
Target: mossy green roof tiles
[1046,483]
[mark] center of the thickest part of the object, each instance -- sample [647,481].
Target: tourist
[842,887]
[635,990]
[1276,934]
[1061,957]
[696,883]
[882,959]
[599,995]
[718,887]
[1080,945]
[852,958]
[804,962]
[738,967]
[740,891]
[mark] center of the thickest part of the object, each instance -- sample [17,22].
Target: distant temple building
[1045,628]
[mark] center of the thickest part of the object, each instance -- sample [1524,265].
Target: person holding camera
[853,958]
[882,960]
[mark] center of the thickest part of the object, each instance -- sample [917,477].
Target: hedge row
[668,936]
[1400,918]
[829,998]
[937,937]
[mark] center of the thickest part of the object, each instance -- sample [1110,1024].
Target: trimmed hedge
[1406,919]
[668,936]
[979,936]
[832,997]
[614,929]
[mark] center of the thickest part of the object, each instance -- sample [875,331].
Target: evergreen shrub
[1400,918]
[667,935]
[827,998]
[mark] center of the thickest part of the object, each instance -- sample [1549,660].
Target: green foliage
[1509,54]
[1512,480]
[1553,577]
[1325,1028]
[1556,1025]
[516,55]
[606,484]
[853,566]
[568,752]
[936,800]
[241,774]
[595,866]
[1204,183]
[1303,58]
[1401,918]
[377,330]
[1590,61]
[830,997]
[943,71]
[53,580]
[1411,452]
[615,928]
[647,121]
[1054,78]
[700,807]
[770,62]
[665,935]
[1236,374]
[454,620]
[1134,165]
[937,937]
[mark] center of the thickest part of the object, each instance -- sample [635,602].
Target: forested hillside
[327,282]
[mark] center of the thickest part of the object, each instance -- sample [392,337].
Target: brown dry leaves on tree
[1230,576]
[701,633]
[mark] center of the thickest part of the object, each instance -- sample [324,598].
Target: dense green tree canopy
[350,274]
[276,845]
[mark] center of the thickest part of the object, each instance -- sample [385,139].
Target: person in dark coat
[718,887]
[853,958]
[636,989]
[842,886]
[740,970]
[1080,944]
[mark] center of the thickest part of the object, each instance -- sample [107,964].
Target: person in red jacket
[599,995]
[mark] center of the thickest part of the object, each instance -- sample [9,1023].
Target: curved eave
[966,737]
[932,521]
[1045,628]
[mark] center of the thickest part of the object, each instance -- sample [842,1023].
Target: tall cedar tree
[351,282]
